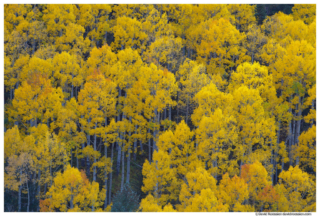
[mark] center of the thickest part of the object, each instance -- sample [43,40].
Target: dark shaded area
[126,200]
[263,10]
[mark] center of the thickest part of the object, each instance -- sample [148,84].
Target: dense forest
[159,108]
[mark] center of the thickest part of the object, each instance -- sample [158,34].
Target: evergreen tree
[260,13]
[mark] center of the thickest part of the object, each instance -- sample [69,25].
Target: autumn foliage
[195,108]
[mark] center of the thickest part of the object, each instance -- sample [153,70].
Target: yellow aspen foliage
[192,78]
[150,204]
[72,191]
[304,12]
[128,34]
[37,66]
[18,170]
[49,154]
[310,101]
[243,15]
[249,114]
[208,99]
[93,18]
[216,11]
[165,52]
[13,73]
[57,17]
[216,137]
[307,150]
[219,98]
[35,99]
[218,46]
[254,76]
[67,124]
[256,177]
[268,198]
[297,189]
[12,142]
[311,35]
[198,193]
[233,192]
[180,146]
[156,26]
[160,179]
[14,14]
[102,58]
[255,41]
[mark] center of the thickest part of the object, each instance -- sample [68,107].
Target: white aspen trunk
[106,34]
[118,144]
[155,130]
[94,159]
[122,170]
[83,146]
[298,126]
[19,193]
[290,134]
[156,188]
[110,181]
[105,173]
[88,144]
[28,204]
[71,199]
[129,154]
[293,138]
[135,143]
[149,143]
[38,191]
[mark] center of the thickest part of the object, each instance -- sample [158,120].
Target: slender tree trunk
[118,158]
[106,34]
[11,93]
[187,110]
[71,199]
[110,181]
[128,158]
[38,192]
[83,146]
[71,161]
[72,87]
[122,169]
[292,138]
[88,144]
[141,148]
[156,188]
[76,92]
[129,154]
[298,127]
[45,185]
[95,149]
[28,204]
[135,144]
[149,143]
[312,107]
[155,130]
[105,173]
[50,174]
[177,108]
[290,134]
[118,144]
[272,161]
[252,54]
[19,193]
